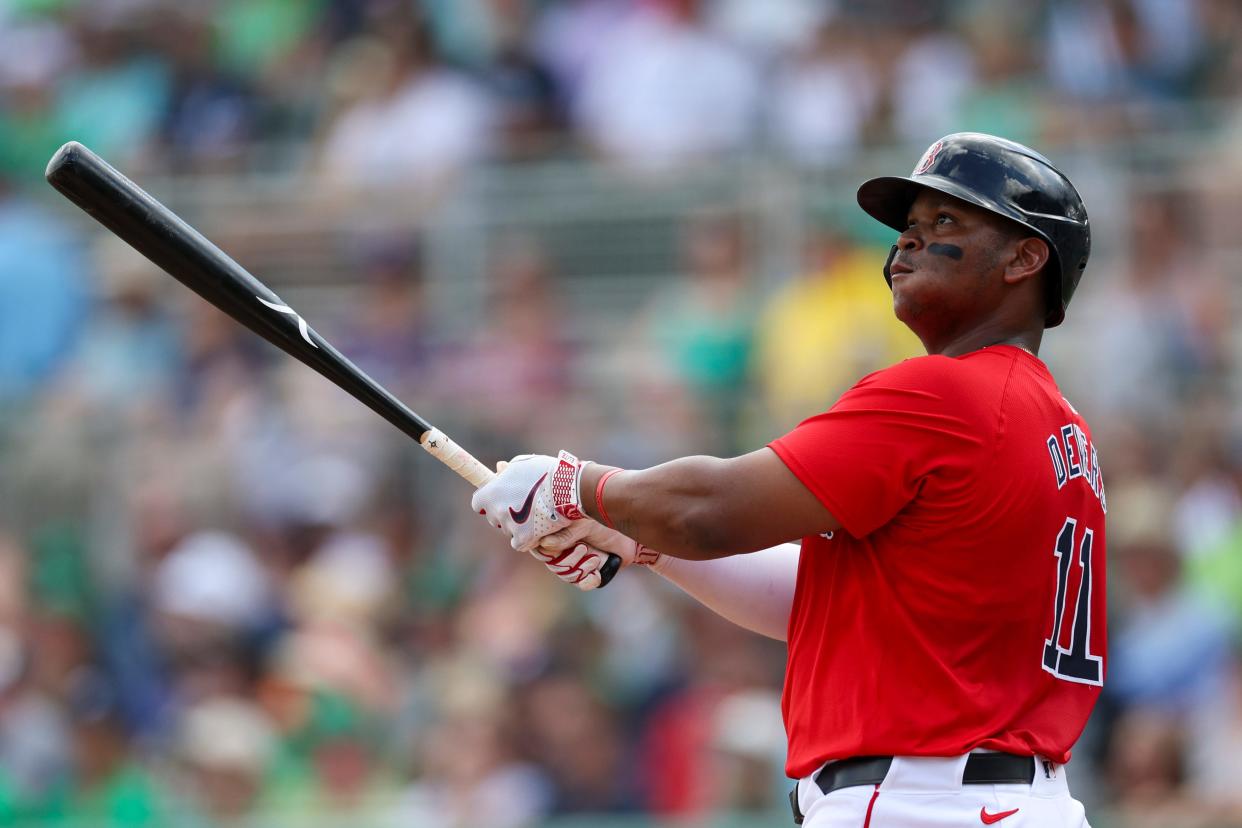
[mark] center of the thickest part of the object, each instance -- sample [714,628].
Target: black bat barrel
[185,254]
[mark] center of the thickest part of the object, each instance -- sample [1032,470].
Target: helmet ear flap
[888,264]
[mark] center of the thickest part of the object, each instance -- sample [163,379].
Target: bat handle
[443,448]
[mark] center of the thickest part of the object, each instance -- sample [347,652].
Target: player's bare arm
[700,508]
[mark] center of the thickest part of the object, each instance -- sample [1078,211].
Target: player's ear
[1027,260]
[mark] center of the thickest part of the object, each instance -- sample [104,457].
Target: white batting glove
[532,497]
[576,553]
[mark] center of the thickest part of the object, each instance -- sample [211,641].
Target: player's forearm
[753,591]
[701,508]
[688,508]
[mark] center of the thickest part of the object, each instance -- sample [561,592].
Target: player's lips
[898,268]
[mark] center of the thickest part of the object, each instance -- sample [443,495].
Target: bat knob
[66,156]
[609,570]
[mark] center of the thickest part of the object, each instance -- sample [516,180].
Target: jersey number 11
[1075,664]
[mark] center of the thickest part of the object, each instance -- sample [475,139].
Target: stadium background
[231,596]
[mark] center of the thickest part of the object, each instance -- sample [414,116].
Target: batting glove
[532,497]
[575,553]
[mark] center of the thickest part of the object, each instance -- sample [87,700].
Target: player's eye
[944,218]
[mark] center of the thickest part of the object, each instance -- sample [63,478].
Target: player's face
[946,273]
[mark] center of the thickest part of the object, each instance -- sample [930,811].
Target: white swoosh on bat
[285,309]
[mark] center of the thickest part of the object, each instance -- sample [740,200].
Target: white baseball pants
[925,792]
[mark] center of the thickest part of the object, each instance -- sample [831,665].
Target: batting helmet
[1005,178]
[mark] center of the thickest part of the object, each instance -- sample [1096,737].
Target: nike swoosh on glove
[532,497]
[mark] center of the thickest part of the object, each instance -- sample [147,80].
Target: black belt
[981,769]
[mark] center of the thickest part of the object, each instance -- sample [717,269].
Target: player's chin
[916,296]
[906,305]
[904,283]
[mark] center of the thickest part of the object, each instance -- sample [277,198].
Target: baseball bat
[189,257]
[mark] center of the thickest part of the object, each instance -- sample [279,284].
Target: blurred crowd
[231,596]
[407,92]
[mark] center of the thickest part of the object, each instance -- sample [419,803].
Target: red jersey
[962,604]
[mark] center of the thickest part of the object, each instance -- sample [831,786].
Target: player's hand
[575,553]
[531,497]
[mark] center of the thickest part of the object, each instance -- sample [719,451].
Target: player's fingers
[567,537]
[501,466]
[590,582]
[589,560]
[543,556]
[585,571]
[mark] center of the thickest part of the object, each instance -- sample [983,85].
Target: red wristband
[599,497]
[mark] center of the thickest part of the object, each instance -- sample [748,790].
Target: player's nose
[910,239]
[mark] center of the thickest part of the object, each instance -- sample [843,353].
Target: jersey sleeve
[893,433]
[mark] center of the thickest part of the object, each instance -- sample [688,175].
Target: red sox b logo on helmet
[928,158]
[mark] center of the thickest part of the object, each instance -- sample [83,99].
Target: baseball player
[944,609]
